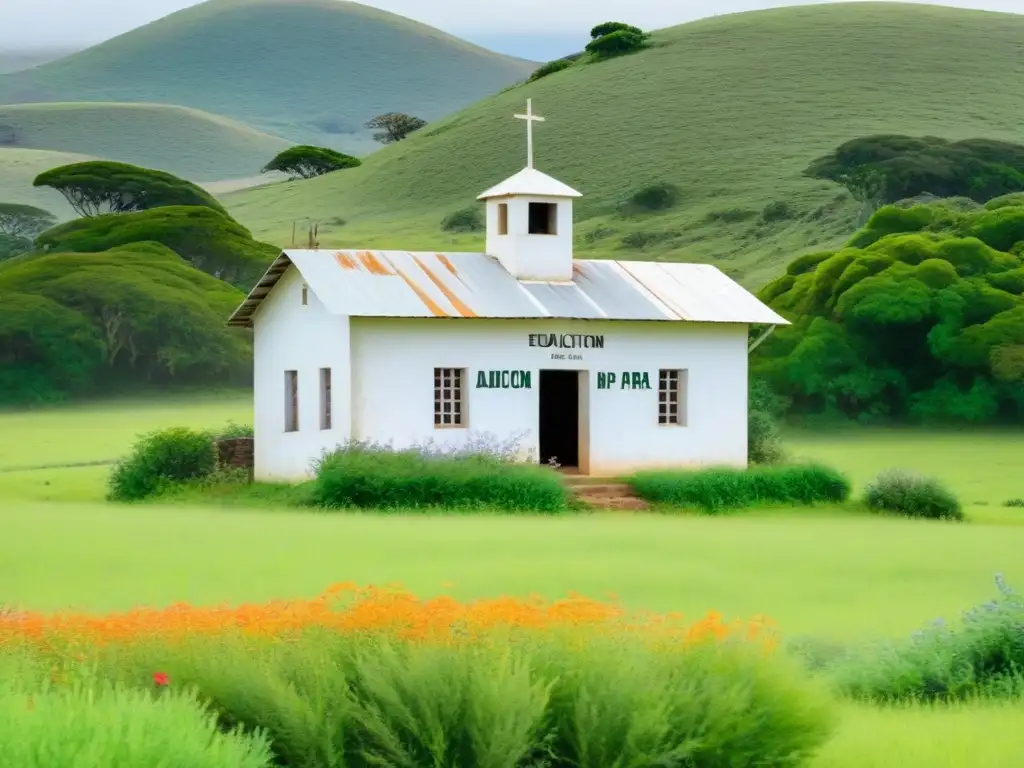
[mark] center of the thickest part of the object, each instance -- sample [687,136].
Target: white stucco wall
[392,385]
[290,336]
[531,257]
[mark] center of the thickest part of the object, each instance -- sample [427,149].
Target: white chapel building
[603,366]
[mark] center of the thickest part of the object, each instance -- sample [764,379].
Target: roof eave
[242,316]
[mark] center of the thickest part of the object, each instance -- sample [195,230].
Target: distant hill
[14,61]
[19,167]
[193,144]
[307,70]
[729,109]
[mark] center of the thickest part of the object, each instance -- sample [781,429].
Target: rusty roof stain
[361,283]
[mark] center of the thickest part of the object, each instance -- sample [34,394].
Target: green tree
[13,246]
[610,27]
[101,186]
[306,162]
[47,351]
[617,43]
[394,126]
[208,240]
[24,221]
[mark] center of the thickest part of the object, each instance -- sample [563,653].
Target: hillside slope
[19,167]
[187,142]
[303,69]
[730,109]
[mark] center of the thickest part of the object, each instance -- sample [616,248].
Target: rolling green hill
[18,168]
[309,70]
[729,109]
[192,144]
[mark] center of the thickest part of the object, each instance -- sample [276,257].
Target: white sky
[28,24]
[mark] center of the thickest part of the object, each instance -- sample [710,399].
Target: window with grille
[449,403]
[291,401]
[325,398]
[672,397]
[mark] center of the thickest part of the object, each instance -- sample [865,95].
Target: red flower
[160,678]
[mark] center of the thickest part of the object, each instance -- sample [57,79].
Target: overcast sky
[26,24]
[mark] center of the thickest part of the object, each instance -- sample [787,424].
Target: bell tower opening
[543,219]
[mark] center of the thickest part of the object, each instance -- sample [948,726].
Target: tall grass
[715,490]
[373,476]
[107,725]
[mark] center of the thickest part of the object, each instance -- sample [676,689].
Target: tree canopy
[210,241]
[24,221]
[886,168]
[13,246]
[73,324]
[394,126]
[920,317]
[305,162]
[614,38]
[100,186]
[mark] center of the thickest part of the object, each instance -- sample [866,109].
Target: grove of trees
[885,168]
[133,297]
[919,318]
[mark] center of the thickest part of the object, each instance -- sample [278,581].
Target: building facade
[603,366]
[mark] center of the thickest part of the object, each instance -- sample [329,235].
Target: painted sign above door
[625,380]
[566,341]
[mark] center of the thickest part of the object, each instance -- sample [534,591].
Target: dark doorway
[560,417]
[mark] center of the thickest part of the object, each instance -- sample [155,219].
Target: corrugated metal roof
[530,181]
[468,285]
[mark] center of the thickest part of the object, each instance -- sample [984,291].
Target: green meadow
[840,574]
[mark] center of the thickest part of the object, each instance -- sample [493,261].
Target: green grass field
[730,109]
[831,573]
[19,167]
[195,145]
[312,71]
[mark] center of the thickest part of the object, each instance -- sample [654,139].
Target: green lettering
[481,380]
[526,379]
[494,379]
[506,380]
[636,380]
[645,381]
[610,379]
[600,381]
[625,380]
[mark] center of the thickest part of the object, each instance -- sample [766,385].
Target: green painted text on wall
[625,380]
[503,380]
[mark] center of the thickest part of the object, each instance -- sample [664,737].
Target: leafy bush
[1014,503]
[233,430]
[717,489]
[764,441]
[902,493]
[983,655]
[660,196]
[618,43]
[109,726]
[777,210]
[609,27]
[176,455]
[373,476]
[550,68]
[464,220]
[328,700]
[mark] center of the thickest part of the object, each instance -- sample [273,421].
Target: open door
[560,418]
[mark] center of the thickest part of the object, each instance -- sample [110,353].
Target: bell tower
[529,219]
